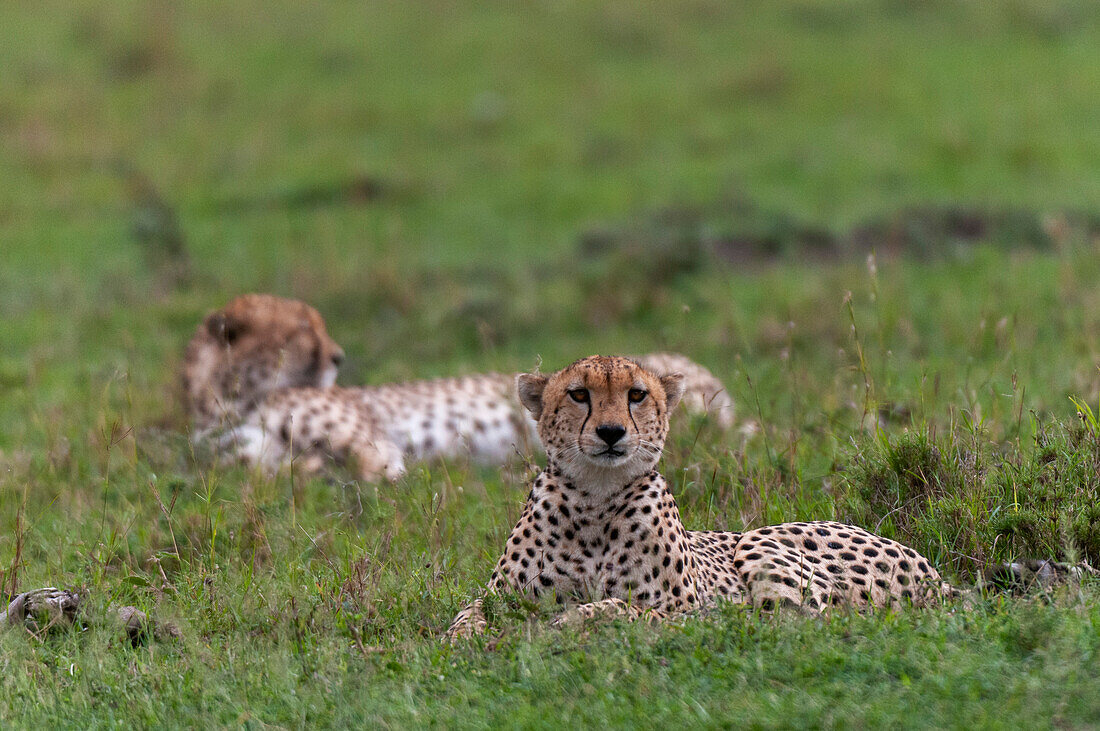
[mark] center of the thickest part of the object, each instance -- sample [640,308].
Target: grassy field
[464,187]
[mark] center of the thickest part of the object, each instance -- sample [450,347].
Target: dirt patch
[675,240]
[936,231]
[356,190]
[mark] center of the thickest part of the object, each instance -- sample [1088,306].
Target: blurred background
[463,186]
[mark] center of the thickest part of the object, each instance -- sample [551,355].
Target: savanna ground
[461,188]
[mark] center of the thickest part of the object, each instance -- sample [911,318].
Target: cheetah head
[255,344]
[602,419]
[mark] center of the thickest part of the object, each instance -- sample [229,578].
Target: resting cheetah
[259,374]
[258,378]
[600,525]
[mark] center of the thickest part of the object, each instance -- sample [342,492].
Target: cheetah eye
[580,395]
[636,395]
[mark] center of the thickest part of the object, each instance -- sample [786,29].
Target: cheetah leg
[378,459]
[812,592]
[309,462]
[607,608]
[808,599]
[469,622]
[783,578]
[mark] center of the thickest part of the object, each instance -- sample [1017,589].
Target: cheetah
[600,529]
[254,345]
[259,379]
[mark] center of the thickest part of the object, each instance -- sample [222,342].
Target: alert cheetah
[601,527]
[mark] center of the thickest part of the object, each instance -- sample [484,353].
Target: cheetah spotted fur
[601,527]
[259,373]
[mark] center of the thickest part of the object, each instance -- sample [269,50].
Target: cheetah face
[255,344]
[602,419]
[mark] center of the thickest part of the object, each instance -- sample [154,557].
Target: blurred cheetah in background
[258,377]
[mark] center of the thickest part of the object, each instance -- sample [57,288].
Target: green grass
[500,137]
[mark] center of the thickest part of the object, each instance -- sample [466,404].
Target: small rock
[44,609]
[135,622]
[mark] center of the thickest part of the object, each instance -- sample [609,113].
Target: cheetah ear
[224,328]
[530,388]
[673,384]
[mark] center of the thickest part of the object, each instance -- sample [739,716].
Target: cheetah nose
[610,433]
[338,358]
